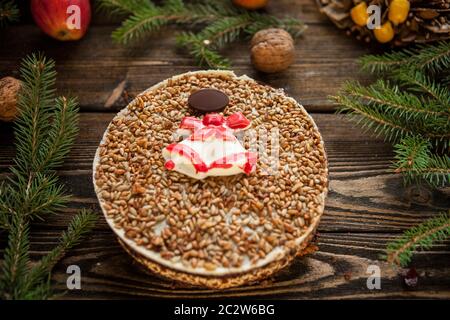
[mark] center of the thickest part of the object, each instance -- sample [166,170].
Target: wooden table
[367,204]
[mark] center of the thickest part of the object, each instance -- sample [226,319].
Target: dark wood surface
[367,204]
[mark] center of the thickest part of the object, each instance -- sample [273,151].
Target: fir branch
[80,225]
[411,109]
[9,12]
[201,51]
[415,160]
[420,237]
[225,23]
[418,82]
[433,58]
[15,259]
[396,101]
[122,7]
[41,291]
[38,195]
[392,128]
[224,31]
[44,131]
[260,21]
[60,136]
[386,61]
[150,19]
[35,103]
[204,46]
[6,200]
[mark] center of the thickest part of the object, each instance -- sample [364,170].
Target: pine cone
[427,20]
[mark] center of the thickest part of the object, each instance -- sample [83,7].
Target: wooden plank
[366,208]
[364,195]
[94,67]
[306,10]
[337,270]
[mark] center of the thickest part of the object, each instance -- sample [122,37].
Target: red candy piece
[170,165]
[237,121]
[213,119]
[248,167]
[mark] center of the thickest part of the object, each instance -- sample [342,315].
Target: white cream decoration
[210,147]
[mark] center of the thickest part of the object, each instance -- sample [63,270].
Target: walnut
[9,89]
[272,50]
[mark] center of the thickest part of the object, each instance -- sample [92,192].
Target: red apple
[64,20]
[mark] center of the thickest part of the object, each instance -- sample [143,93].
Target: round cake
[218,231]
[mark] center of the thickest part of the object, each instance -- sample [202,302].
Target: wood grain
[367,206]
[325,59]
[364,194]
[338,270]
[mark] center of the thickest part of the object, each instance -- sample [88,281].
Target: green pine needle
[392,99]
[81,224]
[9,12]
[410,109]
[415,160]
[16,259]
[223,23]
[45,131]
[38,195]
[119,7]
[419,83]
[35,103]
[203,52]
[433,58]
[143,22]
[421,237]
[61,135]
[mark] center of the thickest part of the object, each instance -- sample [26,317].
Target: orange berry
[251,4]
[385,33]
[398,11]
[359,14]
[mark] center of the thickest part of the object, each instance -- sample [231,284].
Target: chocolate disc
[208,100]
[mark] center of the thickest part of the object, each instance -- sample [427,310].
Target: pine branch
[385,62]
[225,23]
[204,45]
[122,7]
[35,103]
[421,237]
[396,101]
[6,194]
[411,109]
[60,136]
[418,82]
[41,291]
[433,58]
[15,259]
[44,131]
[80,225]
[386,119]
[416,161]
[38,195]
[200,50]
[150,19]
[260,21]
[9,12]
